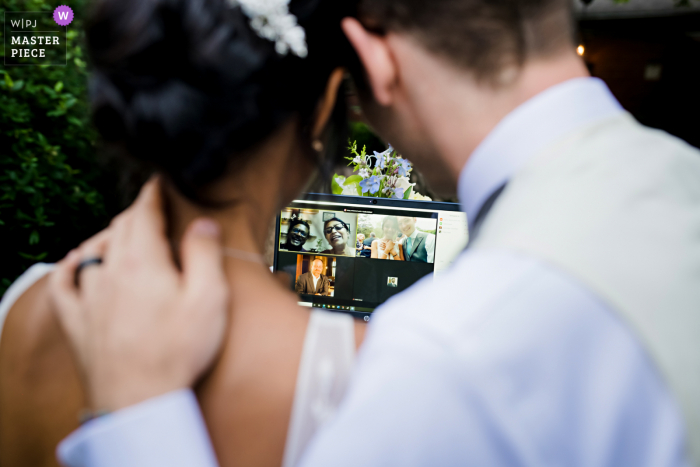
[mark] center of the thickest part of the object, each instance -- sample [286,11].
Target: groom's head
[482,36]
[431,66]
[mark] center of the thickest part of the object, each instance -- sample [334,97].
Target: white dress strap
[30,277]
[327,360]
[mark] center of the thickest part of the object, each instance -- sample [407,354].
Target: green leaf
[75,121]
[8,80]
[34,238]
[352,186]
[35,258]
[18,85]
[346,186]
[407,194]
[58,86]
[56,113]
[337,183]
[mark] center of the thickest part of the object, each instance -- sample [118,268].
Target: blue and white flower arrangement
[381,175]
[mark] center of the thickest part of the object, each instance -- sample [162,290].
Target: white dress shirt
[504,361]
[316,278]
[429,245]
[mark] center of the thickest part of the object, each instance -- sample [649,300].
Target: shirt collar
[414,234]
[528,129]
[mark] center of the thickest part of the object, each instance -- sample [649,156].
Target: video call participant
[358,245]
[367,246]
[388,247]
[337,234]
[297,234]
[313,282]
[417,246]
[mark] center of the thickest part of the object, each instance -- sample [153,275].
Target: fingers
[139,232]
[94,247]
[120,227]
[148,222]
[202,260]
[65,297]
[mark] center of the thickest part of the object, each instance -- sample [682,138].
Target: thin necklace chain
[244,255]
[240,254]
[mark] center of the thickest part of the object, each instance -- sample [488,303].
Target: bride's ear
[327,103]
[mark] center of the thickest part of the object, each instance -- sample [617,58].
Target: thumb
[66,301]
[201,254]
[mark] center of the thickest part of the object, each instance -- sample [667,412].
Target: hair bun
[187,85]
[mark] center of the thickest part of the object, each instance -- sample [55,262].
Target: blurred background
[57,188]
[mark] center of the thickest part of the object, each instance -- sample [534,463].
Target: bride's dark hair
[187,85]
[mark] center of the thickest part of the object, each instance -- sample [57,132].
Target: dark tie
[483,212]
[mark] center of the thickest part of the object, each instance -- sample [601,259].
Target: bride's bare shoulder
[247,397]
[40,394]
[29,317]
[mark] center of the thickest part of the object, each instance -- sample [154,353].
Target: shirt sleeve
[165,431]
[514,364]
[502,362]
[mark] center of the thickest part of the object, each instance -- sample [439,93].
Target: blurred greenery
[50,196]
[53,192]
[364,136]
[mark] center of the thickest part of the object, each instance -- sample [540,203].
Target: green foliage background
[49,177]
[53,191]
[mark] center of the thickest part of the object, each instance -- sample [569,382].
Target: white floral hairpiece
[271,20]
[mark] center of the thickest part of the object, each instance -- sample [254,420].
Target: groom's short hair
[483,36]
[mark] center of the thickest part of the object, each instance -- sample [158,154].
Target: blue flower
[398,193]
[404,167]
[380,159]
[381,163]
[370,184]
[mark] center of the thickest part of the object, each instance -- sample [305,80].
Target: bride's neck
[245,224]
[274,173]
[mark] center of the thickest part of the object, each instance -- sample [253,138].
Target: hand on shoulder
[130,322]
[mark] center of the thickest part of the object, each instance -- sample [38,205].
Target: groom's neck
[457,118]
[471,117]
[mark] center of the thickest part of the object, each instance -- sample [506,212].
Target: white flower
[357,160]
[404,183]
[364,173]
[271,20]
[350,190]
[418,196]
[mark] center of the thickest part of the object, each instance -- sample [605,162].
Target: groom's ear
[376,57]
